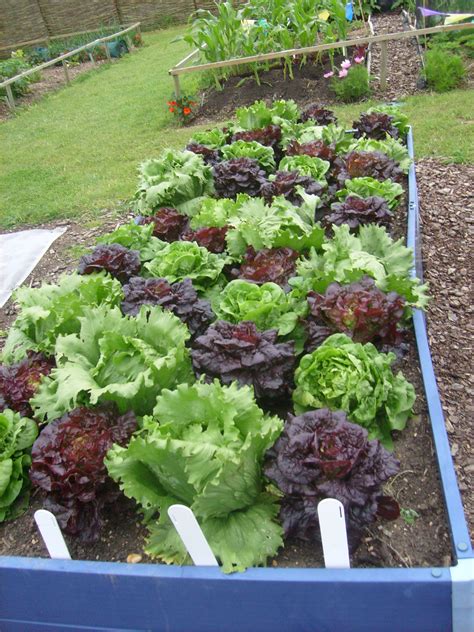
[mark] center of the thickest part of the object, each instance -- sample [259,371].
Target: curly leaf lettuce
[266,305]
[55,309]
[17,435]
[316,168]
[252,149]
[179,179]
[204,447]
[369,187]
[127,360]
[185,259]
[346,258]
[345,375]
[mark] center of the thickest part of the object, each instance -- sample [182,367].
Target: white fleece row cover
[20,253]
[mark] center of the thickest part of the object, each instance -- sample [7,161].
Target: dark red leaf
[119,261]
[19,382]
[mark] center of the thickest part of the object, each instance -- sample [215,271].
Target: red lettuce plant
[68,464]
[210,156]
[239,175]
[19,382]
[168,223]
[361,164]
[269,136]
[322,455]
[320,115]
[253,358]
[276,265]
[376,125]
[285,183]
[181,298]
[360,310]
[209,237]
[315,149]
[356,211]
[119,261]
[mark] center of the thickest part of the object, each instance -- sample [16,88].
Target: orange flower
[186,111]
[171,109]
[172,103]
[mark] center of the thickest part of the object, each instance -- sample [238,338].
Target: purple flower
[345,64]
[342,73]
[358,60]
[328,74]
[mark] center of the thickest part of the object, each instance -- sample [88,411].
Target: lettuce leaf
[347,258]
[55,309]
[251,149]
[204,447]
[369,187]
[392,148]
[344,375]
[185,259]
[127,360]
[306,165]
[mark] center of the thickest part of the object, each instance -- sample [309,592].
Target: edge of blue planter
[42,594]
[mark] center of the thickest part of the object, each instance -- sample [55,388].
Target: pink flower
[328,74]
[358,60]
[343,73]
[345,64]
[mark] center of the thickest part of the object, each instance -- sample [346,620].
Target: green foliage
[459,42]
[345,375]
[17,435]
[410,516]
[126,360]
[346,258]
[307,166]
[55,309]
[14,66]
[242,149]
[204,447]
[392,148]
[443,71]
[367,187]
[355,86]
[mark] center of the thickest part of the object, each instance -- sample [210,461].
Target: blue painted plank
[149,597]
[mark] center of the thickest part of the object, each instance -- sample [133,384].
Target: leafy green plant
[14,66]
[242,149]
[17,435]
[354,86]
[410,516]
[204,447]
[123,359]
[345,375]
[443,71]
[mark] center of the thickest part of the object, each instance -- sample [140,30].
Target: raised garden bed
[274,598]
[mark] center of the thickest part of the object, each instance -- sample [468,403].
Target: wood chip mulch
[447,222]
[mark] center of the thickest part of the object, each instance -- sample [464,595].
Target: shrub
[14,66]
[354,86]
[443,71]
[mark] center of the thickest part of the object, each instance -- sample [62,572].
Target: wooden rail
[179,69]
[7,83]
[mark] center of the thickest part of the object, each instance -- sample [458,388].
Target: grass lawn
[77,150]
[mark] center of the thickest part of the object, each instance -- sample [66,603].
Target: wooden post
[66,71]
[107,52]
[91,57]
[10,98]
[177,87]
[129,43]
[383,65]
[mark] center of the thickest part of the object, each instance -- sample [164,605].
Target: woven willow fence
[23,21]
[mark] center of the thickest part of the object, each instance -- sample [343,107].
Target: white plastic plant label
[191,534]
[51,534]
[332,523]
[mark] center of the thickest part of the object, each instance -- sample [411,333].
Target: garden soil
[447,244]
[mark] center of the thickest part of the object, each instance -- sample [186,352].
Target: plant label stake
[51,534]
[191,534]
[332,524]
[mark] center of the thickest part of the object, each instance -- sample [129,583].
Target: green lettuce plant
[123,359]
[369,187]
[252,149]
[17,435]
[345,375]
[204,447]
[54,309]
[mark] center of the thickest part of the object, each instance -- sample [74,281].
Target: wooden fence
[382,39]
[24,21]
[7,84]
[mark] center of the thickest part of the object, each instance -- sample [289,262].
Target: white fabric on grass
[20,253]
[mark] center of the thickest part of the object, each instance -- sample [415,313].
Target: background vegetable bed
[416,430]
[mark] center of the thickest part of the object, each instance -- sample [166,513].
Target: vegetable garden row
[230,349]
